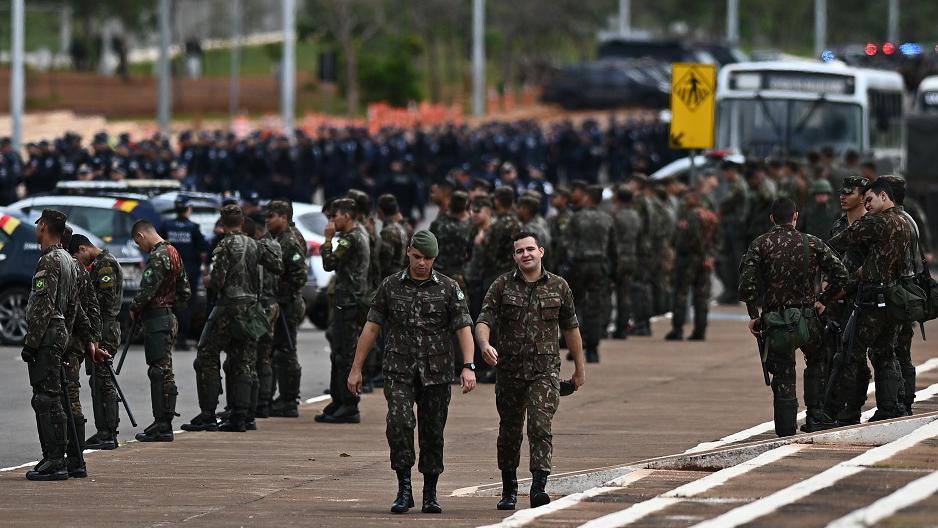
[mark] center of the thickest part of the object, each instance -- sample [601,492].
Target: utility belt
[786,327]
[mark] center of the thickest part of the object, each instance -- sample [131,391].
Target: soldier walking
[782,264]
[419,309]
[345,251]
[626,225]
[164,286]
[695,257]
[529,308]
[391,257]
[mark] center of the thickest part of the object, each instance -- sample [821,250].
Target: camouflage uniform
[107,279]
[778,264]
[528,319]
[349,255]
[591,249]
[662,254]
[816,219]
[233,281]
[884,238]
[79,335]
[51,304]
[391,255]
[454,238]
[418,318]
[286,366]
[557,227]
[164,285]
[539,227]
[626,227]
[733,211]
[498,247]
[642,303]
[270,260]
[694,244]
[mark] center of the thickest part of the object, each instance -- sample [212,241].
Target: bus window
[885,119]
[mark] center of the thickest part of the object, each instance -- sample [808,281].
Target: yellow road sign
[693,87]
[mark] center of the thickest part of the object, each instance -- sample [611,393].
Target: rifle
[845,344]
[120,393]
[286,328]
[66,402]
[837,361]
[760,340]
[130,335]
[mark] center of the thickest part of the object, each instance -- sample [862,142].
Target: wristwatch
[470,366]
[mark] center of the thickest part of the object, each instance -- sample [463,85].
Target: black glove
[567,387]
[28,354]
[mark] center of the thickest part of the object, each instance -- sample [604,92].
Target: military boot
[592,355]
[347,414]
[239,397]
[817,418]
[102,440]
[52,466]
[887,389]
[249,423]
[74,460]
[158,431]
[405,493]
[855,398]
[786,416]
[539,496]
[509,490]
[284,409]
[676,334]
[204,421]
[641,329]
[908,377]
[430,504]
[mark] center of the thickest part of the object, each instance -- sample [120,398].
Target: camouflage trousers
[641,293]
[592,296]
[160,328]
[538,399]
[432,403]
[344,328]
[904,364]
[781,364]
[46,380]
[623,279]
[223,332]
[848,390]
[264,363]
[691,274]
[286,366]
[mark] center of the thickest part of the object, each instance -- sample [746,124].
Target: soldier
[591,249]
[496,242]
[107,280]
[270,266]
[529,307]
[885,239]
[346,252]
[453,232]
[626,225]
[365,222]
[641,298]
[164,286]
[51,305]
[531,220]
[233,282]
[694,246]
[440,194]
[733,209]
[419,309]
[557,226]
[286,366]
[391,258]
[782,264]
[819,213]
[186,236]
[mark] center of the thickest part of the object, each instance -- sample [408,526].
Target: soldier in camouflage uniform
[819,213]
[50,308]
[394,236]
[626,225]
[529,307]
[557,227]
[164,285]
[286,366]
[345,251]
[366,224]
[419,309]
[107,280]
[733,210]
[270,267]
[233,283]
[454,231]
[662,251]
[642,303]
[694,246]
[591,250]
[884,237]
[531,220]
[782,264]
[496,242]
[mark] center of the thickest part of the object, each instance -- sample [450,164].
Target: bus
[926,98]
[787,108]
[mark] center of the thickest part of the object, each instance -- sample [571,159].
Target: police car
[311,223]
[19,253]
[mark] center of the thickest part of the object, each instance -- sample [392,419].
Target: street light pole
[288,67]
[894,21]
[164,104]
[478,57]
[234,90]
[625,17]
[820,27]
[732,21]
[17,75]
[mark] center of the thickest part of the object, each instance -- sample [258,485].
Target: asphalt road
[19,442]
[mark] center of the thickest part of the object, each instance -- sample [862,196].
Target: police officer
[529,307]
[419,309]
[186,237]
[345,251]
[782,265]
[163,287]
[107,279]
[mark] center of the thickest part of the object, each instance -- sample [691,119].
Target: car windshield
[763,127]
[929,102]
[110,225]
[315,222]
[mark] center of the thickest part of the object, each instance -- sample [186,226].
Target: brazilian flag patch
[40,284]
[296,257]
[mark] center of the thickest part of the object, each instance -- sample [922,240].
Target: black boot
[345,414]
[676,334]
[509,490]
[74,460]
[205,421]
[908,377]
[539,497]
[592,355]
[430,504]
[284,409]
[786,416]
[158,431]
[405,493]
[887,391]
[234,424]
[102,440]
[52,434]
[817,418]
[49,468]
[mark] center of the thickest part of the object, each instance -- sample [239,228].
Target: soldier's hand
[330,230]
[490,355]
[98,354]
[709,263]
[819,307]
[754,328]
[355,381]
[28,354]
[579,379]
[467,380]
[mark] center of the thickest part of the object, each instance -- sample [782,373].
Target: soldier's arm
[834,270]
[294,270]
[153,276]
[386,249]
[858,233]
[458,309]
[41,302]
[488,316]
[91,307]
[328,250]
[219,273]
[82,326]
[749,278]
[378,312]
[271,257]
[183,289]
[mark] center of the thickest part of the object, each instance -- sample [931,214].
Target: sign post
[693,108]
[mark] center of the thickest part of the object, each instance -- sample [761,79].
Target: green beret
[425,242]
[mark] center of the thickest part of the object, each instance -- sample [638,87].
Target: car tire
[13,315]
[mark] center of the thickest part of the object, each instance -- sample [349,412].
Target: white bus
[789,108]
[926,98]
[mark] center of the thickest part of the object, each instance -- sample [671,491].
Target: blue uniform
[185,236]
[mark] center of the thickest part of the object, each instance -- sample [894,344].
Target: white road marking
[766,427]
[911,493]
[317,399]
[825,479]
[639,510]
[524,517]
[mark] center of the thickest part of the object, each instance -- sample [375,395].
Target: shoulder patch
[40,283]
[460,295]
[343,242]
[297,257]
[147,272]
[40,273]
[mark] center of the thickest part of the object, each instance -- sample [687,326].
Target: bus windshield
[788,127]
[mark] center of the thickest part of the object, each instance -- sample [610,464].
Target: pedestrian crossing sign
[693,87]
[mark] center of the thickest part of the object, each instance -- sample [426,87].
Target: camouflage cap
[529,201]
[852,183]
[282,207]
[481,201]
[425,242]
[343,204]
[562,190]
[231,211]
[53,218]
